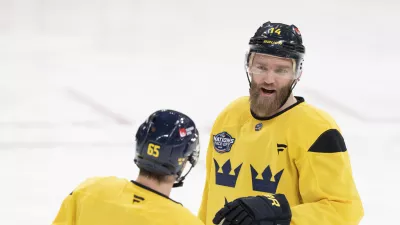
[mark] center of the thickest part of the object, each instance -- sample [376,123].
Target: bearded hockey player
[165,143]
[272,157]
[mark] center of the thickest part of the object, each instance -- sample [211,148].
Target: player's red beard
[267,106]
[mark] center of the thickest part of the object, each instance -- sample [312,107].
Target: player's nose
[268,78]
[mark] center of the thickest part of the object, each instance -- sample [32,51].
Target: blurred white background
[77,77]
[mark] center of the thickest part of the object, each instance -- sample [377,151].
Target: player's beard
[264,106]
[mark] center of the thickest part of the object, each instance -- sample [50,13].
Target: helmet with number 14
[274,64]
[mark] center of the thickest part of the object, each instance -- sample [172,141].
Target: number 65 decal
[152,150]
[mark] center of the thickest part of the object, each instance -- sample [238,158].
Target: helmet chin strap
[289,93]
[178,184]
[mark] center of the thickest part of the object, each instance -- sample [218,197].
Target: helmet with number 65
[165,142]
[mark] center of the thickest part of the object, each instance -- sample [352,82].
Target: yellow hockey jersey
[116,201]
[299,152]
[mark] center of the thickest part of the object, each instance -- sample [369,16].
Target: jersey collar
[152,190]
[299,101]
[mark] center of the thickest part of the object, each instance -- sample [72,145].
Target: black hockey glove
[255,210]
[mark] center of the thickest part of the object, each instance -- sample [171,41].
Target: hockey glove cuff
[255,210]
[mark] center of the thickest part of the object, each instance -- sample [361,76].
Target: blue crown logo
[265,185]
[224,178]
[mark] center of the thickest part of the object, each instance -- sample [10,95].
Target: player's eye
[262,68]
[281,71]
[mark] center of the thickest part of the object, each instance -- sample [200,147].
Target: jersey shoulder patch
[330,141]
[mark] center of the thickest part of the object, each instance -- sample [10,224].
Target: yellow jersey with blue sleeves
[116,201]
[299,152]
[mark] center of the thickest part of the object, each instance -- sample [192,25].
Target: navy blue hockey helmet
[279,40]
[165,142]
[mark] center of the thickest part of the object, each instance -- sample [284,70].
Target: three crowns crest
[229,178]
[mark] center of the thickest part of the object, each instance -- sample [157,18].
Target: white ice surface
[77,77]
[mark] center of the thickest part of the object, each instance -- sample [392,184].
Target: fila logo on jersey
[281,147]
[137,198]
[223,142]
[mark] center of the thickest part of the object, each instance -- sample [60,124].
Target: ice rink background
[77,77]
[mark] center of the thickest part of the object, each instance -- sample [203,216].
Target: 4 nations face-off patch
[223,142]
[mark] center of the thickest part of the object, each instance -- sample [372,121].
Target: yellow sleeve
[203,207]
[66,213]
[326,184]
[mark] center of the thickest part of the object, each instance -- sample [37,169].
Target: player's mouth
[267,92]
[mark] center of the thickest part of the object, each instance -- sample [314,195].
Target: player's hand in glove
[255,210]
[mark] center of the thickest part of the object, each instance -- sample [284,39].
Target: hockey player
[273,142]
[165,142]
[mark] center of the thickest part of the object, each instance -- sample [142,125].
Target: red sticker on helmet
[182,132]
[297,30]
